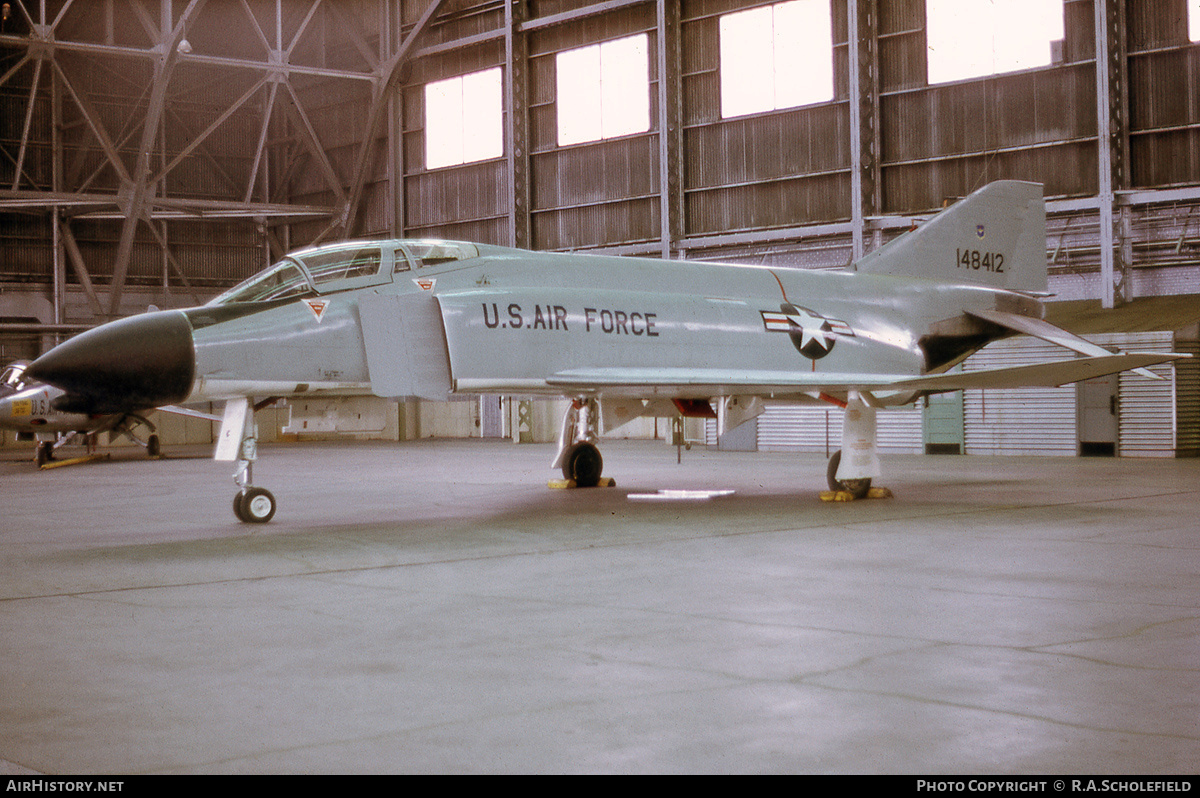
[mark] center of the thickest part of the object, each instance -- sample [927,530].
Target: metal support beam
[380,99]
[135,205]
[391,15]
[670,116]
[260,151]
[1112,129]
[516,125]
[80,267]
[863,86]
[37,73]
[56,183]
[170,263]
[93,120]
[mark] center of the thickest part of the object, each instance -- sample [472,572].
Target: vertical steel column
[389,23]
[60,274]
[1112,138]
[670,114]
[516,127]
[381,91]
[863,86]
[56,185]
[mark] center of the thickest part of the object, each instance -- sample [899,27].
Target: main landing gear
[582,463]
[238,441]
[46,449]
[578,456]
[857,488]
[850,476]
[152,445]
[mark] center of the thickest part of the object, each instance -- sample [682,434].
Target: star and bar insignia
[813,335]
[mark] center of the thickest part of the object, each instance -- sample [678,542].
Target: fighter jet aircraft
[27,407]
[620,337]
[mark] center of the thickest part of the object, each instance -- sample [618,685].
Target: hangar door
[1018,420]
[808,428]
[1147,419]
[1045,421]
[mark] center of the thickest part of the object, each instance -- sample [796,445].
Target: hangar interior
[431,606]
[157,153]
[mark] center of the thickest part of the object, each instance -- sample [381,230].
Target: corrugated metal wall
[469,201]
[1042,421]
[1019,421]
[600,193]
[1164,104]
[1187,400]
[806,428]
[763,171]
[1147,418]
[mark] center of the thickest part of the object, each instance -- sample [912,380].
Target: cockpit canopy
[12,379]
[341,267]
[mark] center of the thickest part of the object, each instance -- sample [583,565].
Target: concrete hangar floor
[434,607]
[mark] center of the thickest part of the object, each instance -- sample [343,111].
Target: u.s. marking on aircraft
[31,408]
[620,337]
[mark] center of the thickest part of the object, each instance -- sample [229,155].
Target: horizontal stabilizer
[1041,375]
[1046,331]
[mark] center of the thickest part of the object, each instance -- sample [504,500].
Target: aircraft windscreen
[316,270]
[433,253]
[282,281]
[13,376]
[341,264]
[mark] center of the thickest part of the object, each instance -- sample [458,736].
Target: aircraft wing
[718,382]
[185,411]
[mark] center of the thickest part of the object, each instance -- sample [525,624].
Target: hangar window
[776,56]
[1194,20]
[603,90]
[973,38]
[464,119]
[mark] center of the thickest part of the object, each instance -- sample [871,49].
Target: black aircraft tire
[583,465]
[255,506]
[153,446]
[237,507]
[857,488]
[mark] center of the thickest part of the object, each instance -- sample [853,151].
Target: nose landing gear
[254,505]
[238,440]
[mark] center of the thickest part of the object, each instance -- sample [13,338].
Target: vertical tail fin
[994,237]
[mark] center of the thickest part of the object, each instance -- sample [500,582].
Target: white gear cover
[860,456]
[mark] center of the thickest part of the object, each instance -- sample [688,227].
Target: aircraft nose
[138,362]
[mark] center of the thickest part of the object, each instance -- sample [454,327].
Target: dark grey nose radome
[139,362]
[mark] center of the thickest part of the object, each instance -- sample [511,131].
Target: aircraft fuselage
[512,319]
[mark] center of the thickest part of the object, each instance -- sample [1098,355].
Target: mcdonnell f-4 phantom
[621,337]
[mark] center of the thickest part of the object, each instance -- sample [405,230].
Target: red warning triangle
[317,306]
